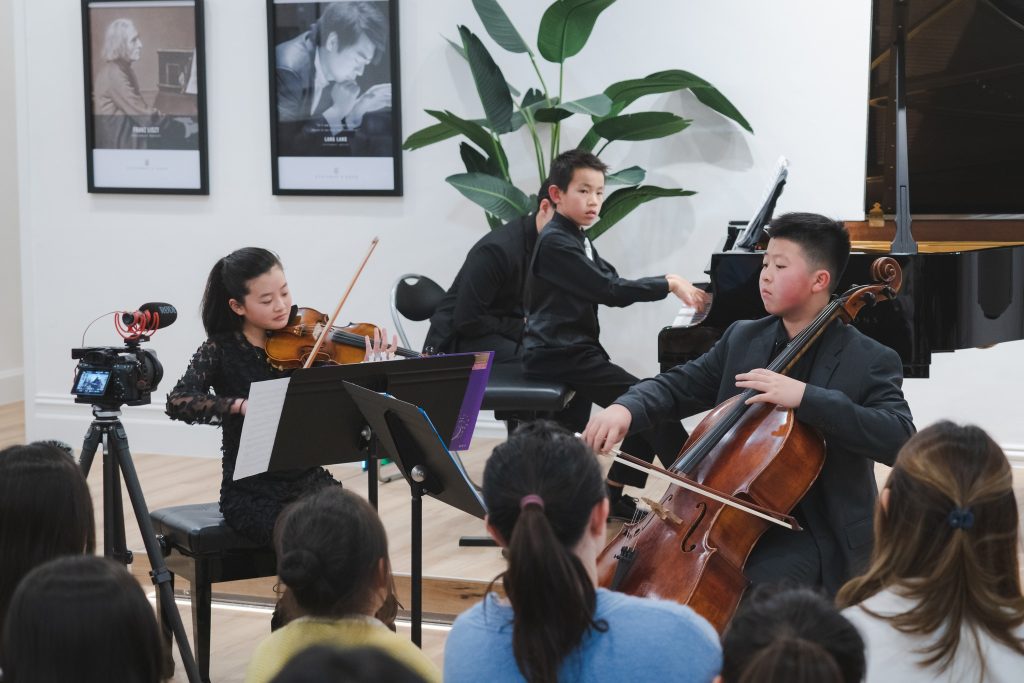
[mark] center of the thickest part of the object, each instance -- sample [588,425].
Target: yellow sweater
[273,653]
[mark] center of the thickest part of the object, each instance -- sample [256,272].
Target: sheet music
[778,176]
[262,415]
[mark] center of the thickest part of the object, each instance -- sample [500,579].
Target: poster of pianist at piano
[334,97]
[145,98]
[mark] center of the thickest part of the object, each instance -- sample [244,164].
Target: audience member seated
[354,665]
[790,636]
[941,598]
[546,504]
[332,554]
[45,512]
[82,619]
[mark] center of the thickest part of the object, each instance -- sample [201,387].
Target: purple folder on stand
[474,396]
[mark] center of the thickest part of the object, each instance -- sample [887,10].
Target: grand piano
[946,118]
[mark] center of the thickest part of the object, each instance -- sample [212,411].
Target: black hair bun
[298,568]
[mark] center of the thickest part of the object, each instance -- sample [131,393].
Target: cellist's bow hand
[379,349]
[775,388]
[607,428]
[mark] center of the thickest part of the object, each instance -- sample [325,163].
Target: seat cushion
[508,390]
[200,530]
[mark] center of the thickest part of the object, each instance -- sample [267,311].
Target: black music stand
[319,424]
[423,458]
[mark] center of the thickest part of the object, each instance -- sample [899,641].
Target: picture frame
[145,96]
[335,97]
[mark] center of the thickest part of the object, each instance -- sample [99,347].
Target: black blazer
[564,288]
[486,297]
[854,397]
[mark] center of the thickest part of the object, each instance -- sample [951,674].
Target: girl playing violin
[246,298]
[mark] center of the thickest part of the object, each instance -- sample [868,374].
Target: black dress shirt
[487,294]
[564,288]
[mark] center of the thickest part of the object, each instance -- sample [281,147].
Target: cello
[692,547]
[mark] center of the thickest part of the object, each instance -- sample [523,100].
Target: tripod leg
[114,544]
[89,444]
[118,443]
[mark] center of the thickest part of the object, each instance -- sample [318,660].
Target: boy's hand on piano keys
[686,292]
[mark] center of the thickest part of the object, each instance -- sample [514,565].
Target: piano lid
[965,107]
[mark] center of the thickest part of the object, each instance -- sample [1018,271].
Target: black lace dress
[228,364]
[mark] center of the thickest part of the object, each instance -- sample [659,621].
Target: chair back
[413,297]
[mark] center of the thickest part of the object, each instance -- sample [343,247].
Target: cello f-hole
[703,508]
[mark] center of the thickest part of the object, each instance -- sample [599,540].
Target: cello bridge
[663,512]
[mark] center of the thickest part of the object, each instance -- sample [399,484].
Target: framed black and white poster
[145,103]
[334,97]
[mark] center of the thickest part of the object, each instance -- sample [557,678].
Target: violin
[741,469]
[292,345]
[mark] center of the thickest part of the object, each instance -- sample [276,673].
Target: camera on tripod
[113,376]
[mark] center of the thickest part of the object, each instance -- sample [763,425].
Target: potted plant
[564,29]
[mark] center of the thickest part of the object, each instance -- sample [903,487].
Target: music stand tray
[409,438]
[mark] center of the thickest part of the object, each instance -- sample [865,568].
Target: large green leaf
[462,51]
[551,114]
[634,175]
[589,141]
[429,135]
[566,26]
[472,130]
[476,162]
[595,105]
[646,125]
[624,93]
[533,101]
[490,83]
[495,195]
[621,202]
[499,26]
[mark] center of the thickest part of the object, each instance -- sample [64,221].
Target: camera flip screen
[92,383]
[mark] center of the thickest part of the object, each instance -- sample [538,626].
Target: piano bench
[204,550]
[515,399]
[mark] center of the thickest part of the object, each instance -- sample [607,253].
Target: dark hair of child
[45,512]
[84,619]
[825,242]
[566,163]
[553,599]
[350,665]
[796,631]
[330,546]
[228,280]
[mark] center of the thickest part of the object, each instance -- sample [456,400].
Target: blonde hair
[948,541]
[115,40]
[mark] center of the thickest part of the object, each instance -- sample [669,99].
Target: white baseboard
[12,385]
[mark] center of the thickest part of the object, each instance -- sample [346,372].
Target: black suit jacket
[486,297]
[854,397]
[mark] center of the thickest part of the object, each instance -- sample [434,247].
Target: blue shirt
[646,640]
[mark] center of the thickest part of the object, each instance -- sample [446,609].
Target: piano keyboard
[688,316]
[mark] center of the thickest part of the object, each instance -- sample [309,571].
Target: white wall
[803,91]
[11,388]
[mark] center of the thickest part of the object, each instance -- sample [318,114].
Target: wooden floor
[241,617]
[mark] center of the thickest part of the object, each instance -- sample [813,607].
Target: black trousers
[597,380]
[505,350]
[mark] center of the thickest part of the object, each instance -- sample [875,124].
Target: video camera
[113,376]
[110,375]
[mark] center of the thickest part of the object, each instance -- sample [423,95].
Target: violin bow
[330,321]
[785,521]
